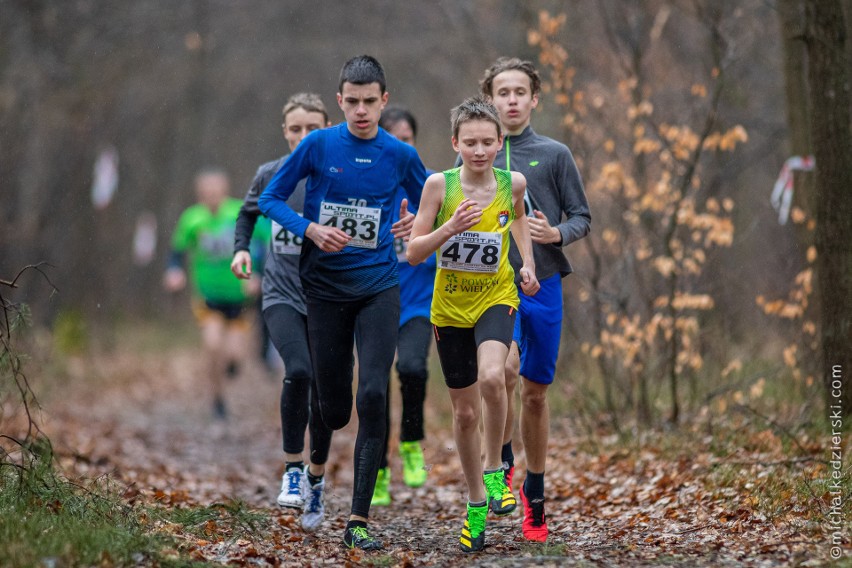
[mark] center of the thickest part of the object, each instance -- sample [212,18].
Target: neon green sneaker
[500,497]
[381,494]
[473,534]
[413,466]
[359,537]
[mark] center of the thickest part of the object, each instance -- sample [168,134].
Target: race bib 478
[471,252]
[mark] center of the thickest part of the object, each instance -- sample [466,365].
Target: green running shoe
[413,466]
[473,534]
[500,497]
[381,494]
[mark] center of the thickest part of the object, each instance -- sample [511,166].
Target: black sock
[313,479]
[506,454]
[534,485]
[480,504]
[352,524]
[233,369]
[291,465]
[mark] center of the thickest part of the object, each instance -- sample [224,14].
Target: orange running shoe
[534,526]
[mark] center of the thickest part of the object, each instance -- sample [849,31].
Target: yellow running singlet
[473,267]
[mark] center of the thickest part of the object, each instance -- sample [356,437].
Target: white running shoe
[314,511]
[291,489]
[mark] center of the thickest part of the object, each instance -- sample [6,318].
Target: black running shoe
[500,497]
[473,534]
[358,537]
[232,370]
[220,411]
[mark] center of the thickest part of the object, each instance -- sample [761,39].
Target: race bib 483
[358,221]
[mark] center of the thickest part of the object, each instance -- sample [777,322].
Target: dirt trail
[147,419]
[150,423]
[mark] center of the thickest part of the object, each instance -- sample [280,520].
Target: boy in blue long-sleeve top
[348,264]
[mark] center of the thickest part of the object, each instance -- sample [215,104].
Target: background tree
[643,163]
[175,87]
[798,311]
[832,138]
[792,24]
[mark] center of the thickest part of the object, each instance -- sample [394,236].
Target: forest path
[146,419]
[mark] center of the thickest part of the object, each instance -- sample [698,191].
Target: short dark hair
[310,102]
[474,108]
[362,70]
[395,113]
[503,64]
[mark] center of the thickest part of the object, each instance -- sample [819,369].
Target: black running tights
[299,399]
[415,338]
[332,327]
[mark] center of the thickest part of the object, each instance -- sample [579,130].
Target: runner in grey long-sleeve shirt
[558,216]
[285,314]
[281,283]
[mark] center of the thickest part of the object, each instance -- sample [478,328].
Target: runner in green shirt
[205,233]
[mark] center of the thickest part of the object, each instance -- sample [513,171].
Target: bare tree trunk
[847,14]
[643,402]
[607,372]
[832,138]
[791,15]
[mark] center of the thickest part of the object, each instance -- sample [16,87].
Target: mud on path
[146,419]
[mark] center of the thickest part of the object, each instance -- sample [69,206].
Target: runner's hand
[174,280]
[252,287]
[466,216]
[402,228]
[540,230]
[241,265]
[328,239]
[529,283]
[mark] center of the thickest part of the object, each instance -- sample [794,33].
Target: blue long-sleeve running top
[351,185]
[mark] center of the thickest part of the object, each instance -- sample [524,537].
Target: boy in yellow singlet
[465,215]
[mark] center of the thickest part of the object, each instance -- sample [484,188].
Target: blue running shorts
[538,330]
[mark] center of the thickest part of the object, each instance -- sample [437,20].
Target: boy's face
[478,143]
[362,106]
[298,123]
[401,130]
[211,189]
[511,94]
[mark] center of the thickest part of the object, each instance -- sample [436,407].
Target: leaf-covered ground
[695,498]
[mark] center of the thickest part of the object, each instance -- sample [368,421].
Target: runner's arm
[521,233]
[246,220]
[183,239]
[424,241]
[273,201]
[572,198]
